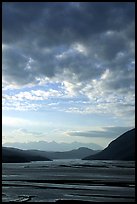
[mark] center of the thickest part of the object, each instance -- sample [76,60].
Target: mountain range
[122,148]
[53,146]
[72,154]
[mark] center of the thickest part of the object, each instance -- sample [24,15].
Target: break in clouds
[87,48]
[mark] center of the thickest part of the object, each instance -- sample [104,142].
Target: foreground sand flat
[65,180]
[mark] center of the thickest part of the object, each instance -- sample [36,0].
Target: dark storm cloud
[63,22]
[41,31]
[17,62]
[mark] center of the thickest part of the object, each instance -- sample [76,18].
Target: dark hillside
[122,148]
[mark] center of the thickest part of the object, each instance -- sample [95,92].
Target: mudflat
[61,181]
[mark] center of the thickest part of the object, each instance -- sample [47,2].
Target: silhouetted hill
[73,154]
[13,155]
[122,148]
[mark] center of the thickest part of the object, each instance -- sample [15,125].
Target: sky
[68,71]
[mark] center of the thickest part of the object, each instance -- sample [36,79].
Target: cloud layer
[83,38]
[86,47]
[106,132]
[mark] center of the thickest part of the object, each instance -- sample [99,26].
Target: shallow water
[49,181]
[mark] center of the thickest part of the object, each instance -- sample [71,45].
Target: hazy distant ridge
[53,146]
[72,154]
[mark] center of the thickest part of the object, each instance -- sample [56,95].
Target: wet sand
[65,180]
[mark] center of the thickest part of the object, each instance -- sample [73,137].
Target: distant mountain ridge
[72,154]
[53,146]
[122,148]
